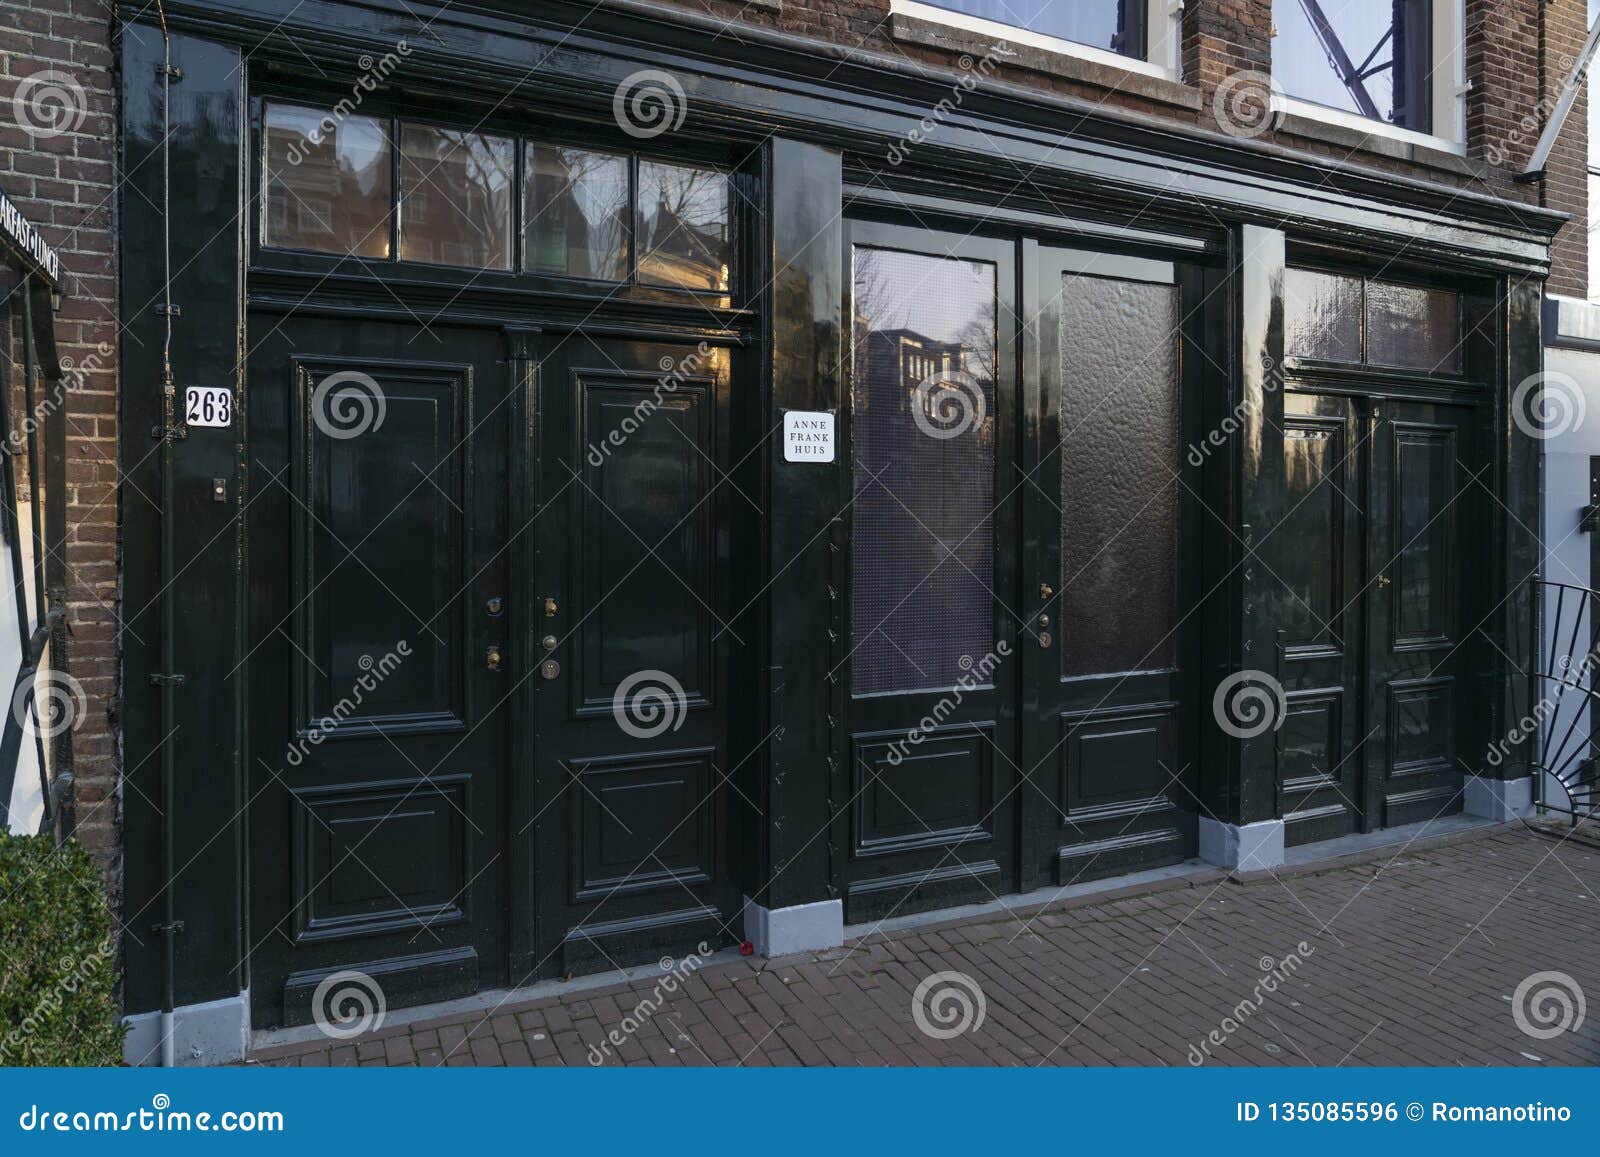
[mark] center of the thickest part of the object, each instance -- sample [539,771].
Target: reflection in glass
[1413,327]
[455,197]
[923,439]
[328,183]
[1372,59]
[1425,515]
[683,222]
[1119,475]
[575,207]
[1109,24]
[1315,465]
[1321,315]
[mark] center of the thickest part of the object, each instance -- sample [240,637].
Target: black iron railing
[1561,728]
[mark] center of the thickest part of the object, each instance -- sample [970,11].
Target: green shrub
[57,960]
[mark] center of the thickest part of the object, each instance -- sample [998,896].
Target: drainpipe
[166,681]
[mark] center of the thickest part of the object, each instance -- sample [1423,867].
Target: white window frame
[1162,22]
[1449,73]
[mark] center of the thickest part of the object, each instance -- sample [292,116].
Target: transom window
[372,187]
[1374,58]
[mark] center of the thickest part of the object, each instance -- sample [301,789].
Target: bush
[58,972]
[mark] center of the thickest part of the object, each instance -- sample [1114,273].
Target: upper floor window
[1383,60]
[1114,25]
[1137,33]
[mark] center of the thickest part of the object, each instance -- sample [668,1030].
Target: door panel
[1109,729]
[1314,558]
[930,817]
[1424,607]
[376,525]
[628,610]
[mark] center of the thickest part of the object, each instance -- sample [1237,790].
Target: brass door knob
[492,657]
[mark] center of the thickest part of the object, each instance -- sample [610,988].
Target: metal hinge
[166,680]
[164,929]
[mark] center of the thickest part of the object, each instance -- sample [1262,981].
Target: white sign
[208,406]
[808,436]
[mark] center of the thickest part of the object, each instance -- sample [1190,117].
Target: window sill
[1296,118]
[1048,62]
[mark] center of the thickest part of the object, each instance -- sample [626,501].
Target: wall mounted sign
[208,406]
[19,234]
[808,436]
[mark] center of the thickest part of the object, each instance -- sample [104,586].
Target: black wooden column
[208,227]
[803,623]
[1258,373]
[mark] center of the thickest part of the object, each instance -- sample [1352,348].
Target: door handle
[492,656]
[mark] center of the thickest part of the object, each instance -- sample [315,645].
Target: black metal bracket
[178,433]
[1589,519]
[167,929]
[171,71]
[165,310]
[166,680]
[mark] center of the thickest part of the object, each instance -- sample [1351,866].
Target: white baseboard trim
[1498,799]
[1246,847]
[214,1033]
[799,928]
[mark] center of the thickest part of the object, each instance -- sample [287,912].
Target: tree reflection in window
[328,184]
[455,197]
[683,223]
[575,211]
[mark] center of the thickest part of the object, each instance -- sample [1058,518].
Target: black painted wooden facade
[480,820]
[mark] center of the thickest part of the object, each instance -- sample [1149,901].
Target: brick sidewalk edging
[1405,955]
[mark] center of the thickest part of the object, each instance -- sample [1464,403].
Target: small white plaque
[208,406]
[808,436]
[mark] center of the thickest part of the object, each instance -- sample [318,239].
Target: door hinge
[166,929]
[166,680]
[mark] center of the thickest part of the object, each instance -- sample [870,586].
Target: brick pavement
[1411,956]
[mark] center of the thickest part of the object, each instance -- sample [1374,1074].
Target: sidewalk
[1405,955]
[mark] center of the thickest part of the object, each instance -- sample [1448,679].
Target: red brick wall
[1566,186]
[64,182]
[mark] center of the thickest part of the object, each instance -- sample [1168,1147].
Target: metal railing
[1563,717]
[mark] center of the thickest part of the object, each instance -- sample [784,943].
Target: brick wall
[59,169]
[1566,185]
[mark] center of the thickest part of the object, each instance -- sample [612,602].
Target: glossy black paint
[1226,217]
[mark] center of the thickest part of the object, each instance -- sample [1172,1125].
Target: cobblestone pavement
[1402,956]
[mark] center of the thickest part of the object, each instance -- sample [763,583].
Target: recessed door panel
[928,806]
[376,531]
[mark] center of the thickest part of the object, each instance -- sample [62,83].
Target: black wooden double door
[486,662]
[1378,564]
[1022,525]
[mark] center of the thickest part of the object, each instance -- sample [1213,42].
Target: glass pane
[684,237]
[1310,558]
[1321,315]
[1413,327]
[575,211]
[1096,22]
[1425,513]
[1119,475]
[1353,56]
[328,182]
[922,562]
[455,197]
